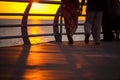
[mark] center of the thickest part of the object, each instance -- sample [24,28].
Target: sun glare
[36,5]
[44,8]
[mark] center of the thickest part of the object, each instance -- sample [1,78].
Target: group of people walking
[99,14]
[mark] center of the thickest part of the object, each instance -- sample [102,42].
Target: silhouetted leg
[108,35]
[96,29]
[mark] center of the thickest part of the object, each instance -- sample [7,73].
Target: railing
[57,25]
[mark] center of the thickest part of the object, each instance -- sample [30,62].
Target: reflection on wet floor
[60,61]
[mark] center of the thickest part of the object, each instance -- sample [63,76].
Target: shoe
[70,40]
[87,35]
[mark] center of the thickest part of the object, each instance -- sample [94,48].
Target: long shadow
[74,66]
[21,64]
[101,67]
[92,68]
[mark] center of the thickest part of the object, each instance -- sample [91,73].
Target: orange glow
[34,30]
[12,7]
[37,8]
[39,58]
[78,66]
[44,8]
[17,7]
[36,5]
[41,74]
[35,74]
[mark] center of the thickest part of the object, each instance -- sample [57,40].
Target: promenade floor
[60,61]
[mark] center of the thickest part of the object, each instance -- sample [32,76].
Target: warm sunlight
[36,5]
[18,7]
[44,8]
[12,7]
[36,8]
[35,30]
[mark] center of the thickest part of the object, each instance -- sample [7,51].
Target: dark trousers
[108,35]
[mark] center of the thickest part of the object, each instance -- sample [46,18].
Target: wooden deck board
[60,61]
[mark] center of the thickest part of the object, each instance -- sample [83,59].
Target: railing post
[61,27]
[24,24]
[56,31]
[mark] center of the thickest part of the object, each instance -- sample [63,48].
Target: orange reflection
[35,30]
[43,57]
[38,74]
[37,59]
[78,66]
[40,62]
[33,75]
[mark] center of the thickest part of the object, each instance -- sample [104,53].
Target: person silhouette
[70,12]
[93,20]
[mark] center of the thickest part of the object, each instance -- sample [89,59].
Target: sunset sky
[19,7]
